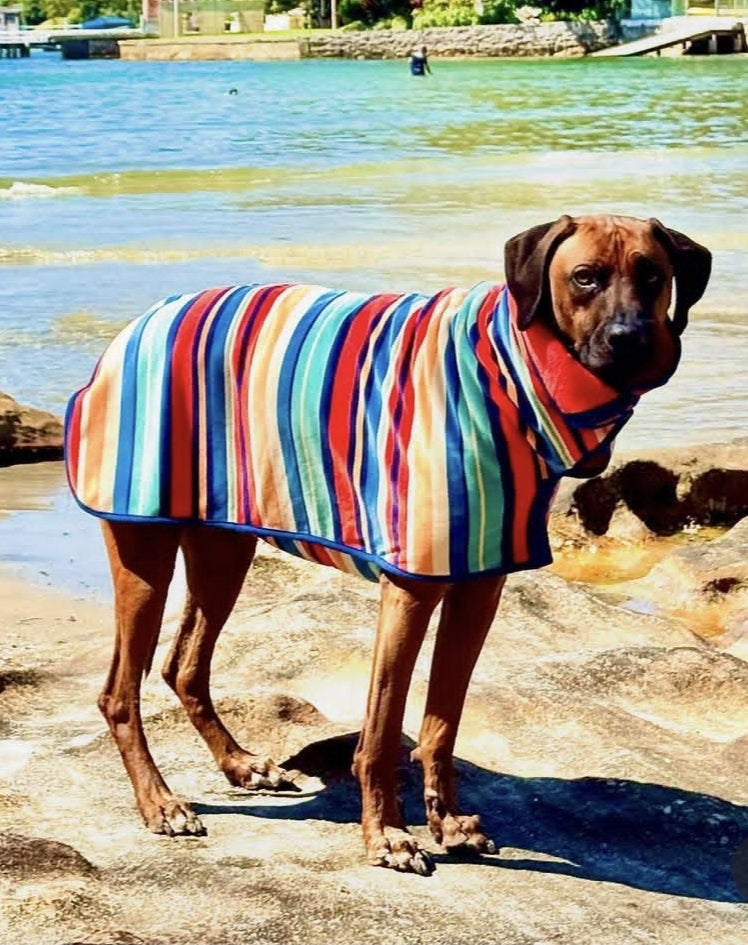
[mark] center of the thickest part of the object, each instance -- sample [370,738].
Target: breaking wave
[22,190]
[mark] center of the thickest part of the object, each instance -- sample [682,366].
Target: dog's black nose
[626,338]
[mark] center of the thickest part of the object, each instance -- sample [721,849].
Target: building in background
[185,17]
[10,19]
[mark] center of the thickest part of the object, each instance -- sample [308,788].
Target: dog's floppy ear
[692,266]
[526,259]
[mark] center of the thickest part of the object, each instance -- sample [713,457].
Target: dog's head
[605,283]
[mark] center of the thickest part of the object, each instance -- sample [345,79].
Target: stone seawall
[521,40]
[542,39]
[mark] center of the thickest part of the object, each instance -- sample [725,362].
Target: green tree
[371,12]
[33,12]
[463,13]
[88,9]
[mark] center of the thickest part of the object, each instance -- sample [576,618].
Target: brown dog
[584,323]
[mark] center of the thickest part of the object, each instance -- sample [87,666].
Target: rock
[22,857]
[705,584]
[28,435]
[667,490]
[605,749]
[710,570]
[531,38]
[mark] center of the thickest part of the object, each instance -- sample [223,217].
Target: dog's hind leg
[467,613]
[405,610]
[216,564]
[142,560]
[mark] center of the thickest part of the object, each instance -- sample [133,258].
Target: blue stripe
[286,405]
[368,484]
[215,395]
[458,501]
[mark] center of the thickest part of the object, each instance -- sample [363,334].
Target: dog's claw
[406,861]
[275,779]
[177,822]
[423,864]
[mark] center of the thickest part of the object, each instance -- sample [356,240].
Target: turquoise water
[122,182]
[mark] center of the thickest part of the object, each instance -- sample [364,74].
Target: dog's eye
[650,276]
[585,277]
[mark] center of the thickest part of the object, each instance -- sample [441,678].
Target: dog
[415,440]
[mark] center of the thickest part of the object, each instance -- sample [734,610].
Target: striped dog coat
[411,434]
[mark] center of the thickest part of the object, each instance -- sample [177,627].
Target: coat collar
[580,396]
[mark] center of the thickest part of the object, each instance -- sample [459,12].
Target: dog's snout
[626,334]
[621,334]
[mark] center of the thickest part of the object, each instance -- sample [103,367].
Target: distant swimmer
[233,91]
[419,63]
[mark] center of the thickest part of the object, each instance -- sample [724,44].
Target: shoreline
[49,544]
[522,40]
[38,515]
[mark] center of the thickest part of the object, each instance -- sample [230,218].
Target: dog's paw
[461,834]
[400,851]
[263,776]
[175,819]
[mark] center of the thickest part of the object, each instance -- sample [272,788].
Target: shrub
[463,13]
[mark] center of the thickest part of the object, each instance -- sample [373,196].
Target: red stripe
[342,419]
[183,406]
[536,344]
[396,466]
[251,323]
[73,440]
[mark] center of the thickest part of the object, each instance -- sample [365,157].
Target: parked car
[108,23]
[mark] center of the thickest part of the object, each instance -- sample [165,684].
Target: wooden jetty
[709,34]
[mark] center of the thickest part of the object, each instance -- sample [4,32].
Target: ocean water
[123,182]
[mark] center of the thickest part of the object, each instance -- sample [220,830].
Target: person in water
[419,63]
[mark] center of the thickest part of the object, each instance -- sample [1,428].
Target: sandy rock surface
[605,748]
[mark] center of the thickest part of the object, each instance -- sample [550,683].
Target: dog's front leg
[405,610]
[467,613]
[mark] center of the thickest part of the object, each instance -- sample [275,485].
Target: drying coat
[405,433]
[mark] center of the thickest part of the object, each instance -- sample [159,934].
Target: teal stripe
[309,412]
[484,493]
[146,490]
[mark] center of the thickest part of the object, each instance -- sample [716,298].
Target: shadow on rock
[647,836]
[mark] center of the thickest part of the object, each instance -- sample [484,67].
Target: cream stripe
[107,432]
[274,508]
[427,486]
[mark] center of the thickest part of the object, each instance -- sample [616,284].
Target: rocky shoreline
[561,39]
[27,435]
